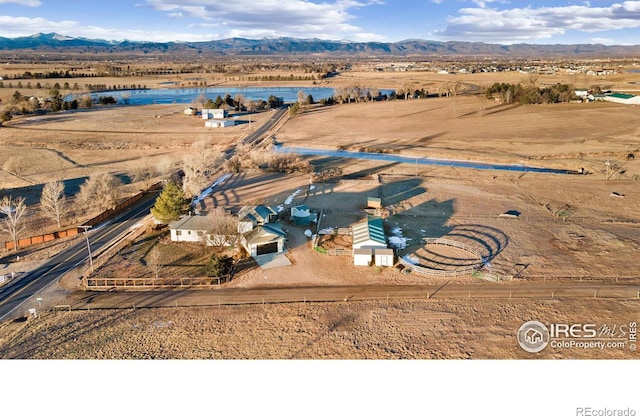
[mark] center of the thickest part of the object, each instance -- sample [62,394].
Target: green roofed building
[621,98]
[370,242]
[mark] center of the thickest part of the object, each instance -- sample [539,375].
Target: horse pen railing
[442,272]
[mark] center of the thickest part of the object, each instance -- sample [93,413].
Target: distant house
[264,239]
[622,98]
[582,93]
[217,113]
[193,229]
[190,111]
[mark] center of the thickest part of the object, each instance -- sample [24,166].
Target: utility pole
[86,234]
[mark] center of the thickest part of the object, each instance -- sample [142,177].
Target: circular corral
[443,257]
[461,251]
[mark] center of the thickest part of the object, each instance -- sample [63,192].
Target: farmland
[570,227]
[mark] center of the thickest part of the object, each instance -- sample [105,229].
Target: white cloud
[525,24]
[250,18]
[604,41]
[11,26]
[28,3]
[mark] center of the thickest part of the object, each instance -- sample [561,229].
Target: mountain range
[53,42]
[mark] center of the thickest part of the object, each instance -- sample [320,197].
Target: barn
[370,243]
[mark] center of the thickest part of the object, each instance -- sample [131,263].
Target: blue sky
[490,21]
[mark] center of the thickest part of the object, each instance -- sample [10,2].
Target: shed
[373,202]
[384,257]
[362,256]
[264,239]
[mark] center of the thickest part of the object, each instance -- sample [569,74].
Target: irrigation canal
[385,157]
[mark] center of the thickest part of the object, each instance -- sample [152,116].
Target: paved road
[254,137]
[16,293]
[238,296]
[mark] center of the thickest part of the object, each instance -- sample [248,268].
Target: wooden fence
[38,239]
[339,252]
[29,241]
[150,283]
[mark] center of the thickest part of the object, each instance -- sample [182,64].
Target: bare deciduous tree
[154,261]
[239,100]
[53,201]
[13,210]
[15,165]
[100,191]
[301,97]
[224,229]
[198,165]
[145,175]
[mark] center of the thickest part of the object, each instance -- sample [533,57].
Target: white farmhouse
[193,229]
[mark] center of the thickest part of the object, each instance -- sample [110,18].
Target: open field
[569,226]
[470,128]
[433,329]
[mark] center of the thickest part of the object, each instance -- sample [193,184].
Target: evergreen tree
[218,265]
[170,204]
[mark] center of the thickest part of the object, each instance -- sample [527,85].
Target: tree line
[529,93]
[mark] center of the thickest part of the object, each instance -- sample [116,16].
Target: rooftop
[195,222]
[371,230]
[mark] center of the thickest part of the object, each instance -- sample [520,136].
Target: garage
[264,239]
[268,248]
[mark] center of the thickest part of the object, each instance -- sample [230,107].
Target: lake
[188,95]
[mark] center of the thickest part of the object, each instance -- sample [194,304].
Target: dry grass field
[570,226]
[435,329]
[470,128]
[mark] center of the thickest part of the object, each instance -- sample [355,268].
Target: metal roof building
[370,244]
[369,234]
